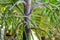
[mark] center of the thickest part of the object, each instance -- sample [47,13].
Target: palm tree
[19,18]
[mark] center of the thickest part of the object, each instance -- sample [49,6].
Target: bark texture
[26,33]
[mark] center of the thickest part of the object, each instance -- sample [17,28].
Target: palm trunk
[26,33]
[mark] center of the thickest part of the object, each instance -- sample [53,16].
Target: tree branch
[12,37]
[7,3]
[19,9]
[36,5]
[36,27]
[18,26]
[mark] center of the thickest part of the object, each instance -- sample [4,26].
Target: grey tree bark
[27,7]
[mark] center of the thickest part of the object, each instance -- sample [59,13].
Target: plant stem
[26,12]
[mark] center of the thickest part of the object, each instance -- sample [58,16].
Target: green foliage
[45,17]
